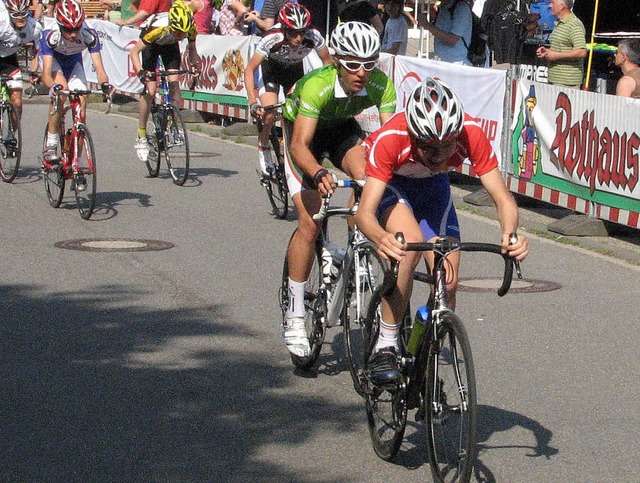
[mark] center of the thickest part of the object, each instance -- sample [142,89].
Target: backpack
[477,49]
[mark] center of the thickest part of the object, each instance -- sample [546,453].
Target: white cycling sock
[388,336]
[296,299]
[52,140]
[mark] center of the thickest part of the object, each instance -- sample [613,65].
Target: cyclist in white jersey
[17,29]
[62,68]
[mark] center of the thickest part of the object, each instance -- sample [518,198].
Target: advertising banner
[481,91]
[579,143]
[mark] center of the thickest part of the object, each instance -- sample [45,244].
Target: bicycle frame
[69,147]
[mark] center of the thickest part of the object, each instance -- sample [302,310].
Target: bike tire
[386,408]
[155,148]
[358,294]
[86,161]
[314,313]
[176,146]
[277,189]
[54,180]
[10,151]
[451,424]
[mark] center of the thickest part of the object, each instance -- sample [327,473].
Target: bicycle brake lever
[513,238]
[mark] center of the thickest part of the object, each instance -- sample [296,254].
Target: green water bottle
[419,324]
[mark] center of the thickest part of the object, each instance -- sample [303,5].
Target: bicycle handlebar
[444,246]
[342,183]
[81,92]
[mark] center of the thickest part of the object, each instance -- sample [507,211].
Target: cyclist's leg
[53,124]
[433,208]
[78,81]
[171,59]
[9,66]
[301,251]
[265,156]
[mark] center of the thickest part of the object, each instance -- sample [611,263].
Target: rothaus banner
[578,142]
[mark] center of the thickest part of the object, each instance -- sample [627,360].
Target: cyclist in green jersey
[319,118]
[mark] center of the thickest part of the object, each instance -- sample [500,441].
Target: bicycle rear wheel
[86,174]
[54,177]
[11,145]
[276,186]
[386,407]
[314,310]
[366,271]
[450,403]
[176,146]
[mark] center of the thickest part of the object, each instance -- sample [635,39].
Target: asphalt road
[169,366]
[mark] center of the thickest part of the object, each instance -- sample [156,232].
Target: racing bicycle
[438,375]
[169,134]
[276,183]
[10,134]
[77,155]
[340,285]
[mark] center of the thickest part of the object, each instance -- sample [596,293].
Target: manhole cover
[114,245]
[517,286]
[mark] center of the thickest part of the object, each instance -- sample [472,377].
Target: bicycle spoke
[177,147]
[85,177]
[11,142]
[451,404]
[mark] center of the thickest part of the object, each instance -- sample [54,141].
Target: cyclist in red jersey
[408,191]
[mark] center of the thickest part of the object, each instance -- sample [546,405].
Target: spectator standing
[266,17]
[145,9]
[203,18]
[396,30]
[452,31]
[362,11]
[231,17]
[567,46]
[627,57]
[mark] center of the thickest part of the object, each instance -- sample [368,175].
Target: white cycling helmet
[355,39]
[434,112]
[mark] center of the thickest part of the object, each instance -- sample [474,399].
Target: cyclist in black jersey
[280,55]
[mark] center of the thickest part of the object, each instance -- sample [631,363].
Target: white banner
[481,90]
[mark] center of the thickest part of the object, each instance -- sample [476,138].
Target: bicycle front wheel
[314,311]
[54,177]
[450,403]
[85,177]
[386,407]
[11,145]
[176,146]
[276,186]
[155,147]
[366,271]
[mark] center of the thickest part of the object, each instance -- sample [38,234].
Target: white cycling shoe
[295,336]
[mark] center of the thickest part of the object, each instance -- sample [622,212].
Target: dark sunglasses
[294,33]
[354,66]
[70,30]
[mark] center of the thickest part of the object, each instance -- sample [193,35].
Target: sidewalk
[622,244]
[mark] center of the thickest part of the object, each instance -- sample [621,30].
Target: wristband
[319,175]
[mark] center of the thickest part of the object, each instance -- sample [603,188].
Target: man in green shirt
[318,118]
[567,48]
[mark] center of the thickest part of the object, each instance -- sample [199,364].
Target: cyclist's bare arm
[507,213]
[368,223]
[324,55]
[304,128]
[134,55]
[249,73]
[385,116]
[193,55]
[101,73]
[47,71]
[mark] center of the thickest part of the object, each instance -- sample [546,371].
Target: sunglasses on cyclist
[354,66]
[294,33]
[19,15]
[70,30]
[435,143]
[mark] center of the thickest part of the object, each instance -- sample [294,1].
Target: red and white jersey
[274,47]
[389,151]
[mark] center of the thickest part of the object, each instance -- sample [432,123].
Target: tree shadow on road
[97,389]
